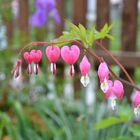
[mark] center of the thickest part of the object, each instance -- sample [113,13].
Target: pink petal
[84,66]
[28,57]
[53,53]
[136,99]
[109,93]
[118,89]
[37,55]
[103,72]
[70,54]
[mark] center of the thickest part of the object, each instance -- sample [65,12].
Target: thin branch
[93,54]
[117,62]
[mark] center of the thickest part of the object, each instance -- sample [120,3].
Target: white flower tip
[85,80]
[113,103]
[137,112]
[53,68]
[104,86]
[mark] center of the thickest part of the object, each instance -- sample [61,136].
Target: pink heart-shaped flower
[53,53]
[115,90]
[70,54]
[37,55]
[28,57]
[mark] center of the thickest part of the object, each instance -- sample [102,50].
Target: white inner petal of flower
[85,80]
[113,103]
[34,68]
[137,112]
[72,69]
[104,86]
[52,67]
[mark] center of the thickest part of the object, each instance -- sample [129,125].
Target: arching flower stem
[93,54]
[100,44]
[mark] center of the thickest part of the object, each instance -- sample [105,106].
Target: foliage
[86,36]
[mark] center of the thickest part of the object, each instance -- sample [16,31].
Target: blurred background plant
[45,107]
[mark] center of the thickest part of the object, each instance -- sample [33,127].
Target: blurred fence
[127,55]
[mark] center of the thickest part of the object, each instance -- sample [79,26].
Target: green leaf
[104,32]
[135,130]
[123,138]
[109,122]
[82,31]
[91,36]
[105,28]
[109,36]
[72,26]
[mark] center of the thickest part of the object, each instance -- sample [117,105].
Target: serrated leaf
[82,32]
[109,122]
[109,36]
[104,32]
[72,26]
[105,28]
[91,36]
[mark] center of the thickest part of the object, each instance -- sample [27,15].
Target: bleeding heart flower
[70,55]
[53,54]
[84,68]
[136,103]
[29,59]
[115,91]
[36,56]
[17,68]
[103,74]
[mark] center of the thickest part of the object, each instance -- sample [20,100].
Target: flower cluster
[43,9]
[70,55]
[112,90]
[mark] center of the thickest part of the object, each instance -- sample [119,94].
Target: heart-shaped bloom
[70,55]
[103,74]
[115,91]
[84,68]
[17,68]
[136,103]
[29,59]
[53,54]
[36,56]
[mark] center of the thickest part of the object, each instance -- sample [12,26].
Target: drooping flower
[44,8]
[70,55]
[17,68]
[115,92]
[84,68]
[36,57]
[29,59]
[136,103]
[53,54]
[103,74]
